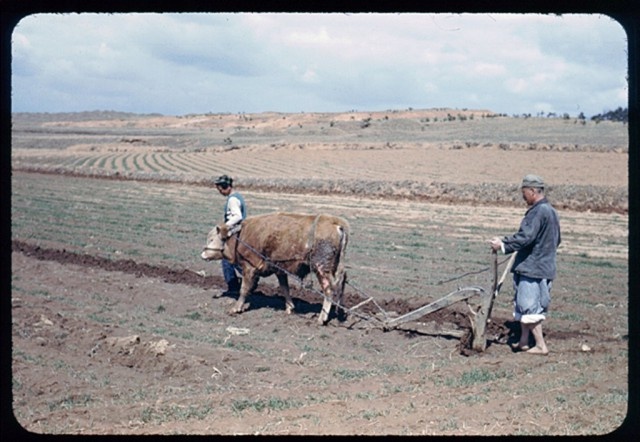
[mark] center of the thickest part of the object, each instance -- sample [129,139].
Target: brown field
[114,330]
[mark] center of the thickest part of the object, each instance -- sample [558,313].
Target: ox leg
[333,288]
[249,283]
[328,296]
[338,290]
[284,291]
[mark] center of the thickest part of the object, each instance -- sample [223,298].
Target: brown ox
[283,243]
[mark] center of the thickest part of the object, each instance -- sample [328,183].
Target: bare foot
[538,351]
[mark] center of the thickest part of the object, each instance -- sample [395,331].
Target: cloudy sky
[177,64]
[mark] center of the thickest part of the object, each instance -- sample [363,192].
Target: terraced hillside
[438,155]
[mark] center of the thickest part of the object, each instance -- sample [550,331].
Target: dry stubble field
[114,330]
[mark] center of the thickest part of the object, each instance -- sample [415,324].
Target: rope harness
[351,310]
[476,272]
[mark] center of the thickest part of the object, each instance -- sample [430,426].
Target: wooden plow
[479,317]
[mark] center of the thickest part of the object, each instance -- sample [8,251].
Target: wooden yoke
[483,315]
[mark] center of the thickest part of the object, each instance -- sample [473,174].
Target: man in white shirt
[234,212]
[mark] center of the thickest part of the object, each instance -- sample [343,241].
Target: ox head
[215,243]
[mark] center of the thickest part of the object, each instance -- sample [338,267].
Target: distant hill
[619,114]
[45,117]
[101,115]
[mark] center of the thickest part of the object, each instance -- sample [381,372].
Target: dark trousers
[229,272]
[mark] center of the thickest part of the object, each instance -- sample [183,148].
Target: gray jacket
[536,242]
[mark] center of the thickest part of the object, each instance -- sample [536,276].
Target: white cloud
[188,63]
[489,69]
[310,76]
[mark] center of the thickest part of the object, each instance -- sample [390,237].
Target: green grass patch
[477,376]
[599,263]
[350,375]
[569,316]
[172,413]
[272,403]
[147,163]
[195,316]
[100,318]
[102,162]
[70,402]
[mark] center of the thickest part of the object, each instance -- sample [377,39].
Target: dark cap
[532,181]
[224,181]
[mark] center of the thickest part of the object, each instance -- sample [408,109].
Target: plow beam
[459,295]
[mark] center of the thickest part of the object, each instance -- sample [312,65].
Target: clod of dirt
[124,345]
[158,347]
[43,321]
[237,331]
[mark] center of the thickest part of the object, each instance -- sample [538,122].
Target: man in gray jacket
[534,267]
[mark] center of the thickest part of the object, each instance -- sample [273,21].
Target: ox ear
[222,230]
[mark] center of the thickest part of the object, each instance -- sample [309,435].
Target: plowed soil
[116,331]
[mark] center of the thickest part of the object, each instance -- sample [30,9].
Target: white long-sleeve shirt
[234,211]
